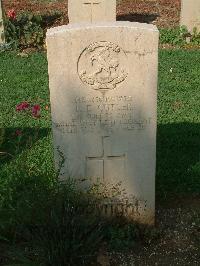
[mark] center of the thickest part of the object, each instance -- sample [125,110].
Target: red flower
[18,132]
[22,106]
[11,14]
[36,110]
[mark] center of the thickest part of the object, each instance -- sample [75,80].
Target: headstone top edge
[77,26]
[91,11]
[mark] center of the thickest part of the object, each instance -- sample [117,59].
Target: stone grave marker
[2,37]
[103,89]
[91,10]
[190,14]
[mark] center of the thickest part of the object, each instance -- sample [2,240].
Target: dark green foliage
[173,36]
[24,31]
[56,220]
[121,235]
[28,30]
[179,36]
[70,233]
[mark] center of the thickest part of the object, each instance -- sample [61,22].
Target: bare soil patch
[178,240]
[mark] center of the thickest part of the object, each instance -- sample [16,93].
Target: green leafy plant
[56,224]
[24,30]
[27,30]
[195,38]
[73,232]
[121,235]
[180,36]
[174,36]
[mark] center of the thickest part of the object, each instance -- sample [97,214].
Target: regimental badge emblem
[102,66]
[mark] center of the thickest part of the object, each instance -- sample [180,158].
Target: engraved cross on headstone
[105,163]
[92,4]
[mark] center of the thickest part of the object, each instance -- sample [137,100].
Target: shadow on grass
[134,17]
[13,141]
[178,154]
[178,161]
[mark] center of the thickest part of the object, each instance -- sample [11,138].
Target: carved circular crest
[102,66]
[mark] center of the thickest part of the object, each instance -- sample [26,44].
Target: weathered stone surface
[103,86]
[91,10]
[2,37]
[190,14]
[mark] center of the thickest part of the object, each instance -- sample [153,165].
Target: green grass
[29,159]
[178,149]
[178,144]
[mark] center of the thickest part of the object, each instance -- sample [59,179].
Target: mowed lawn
[26,143]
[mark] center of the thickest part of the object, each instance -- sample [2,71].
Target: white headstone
[190,14]
[2,37]
[103,86]
[91,10]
